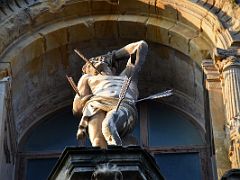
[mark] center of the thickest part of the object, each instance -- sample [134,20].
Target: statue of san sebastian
[99,88]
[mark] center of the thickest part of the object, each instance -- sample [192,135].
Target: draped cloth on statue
[97,103]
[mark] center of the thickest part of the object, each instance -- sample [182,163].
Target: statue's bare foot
[81,133]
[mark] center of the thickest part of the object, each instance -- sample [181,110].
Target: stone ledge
[104,7]
[86,29]
[157,30]
[132,26]
[166,8]
[180,37]
[134,7]
[191,14]
[199,49]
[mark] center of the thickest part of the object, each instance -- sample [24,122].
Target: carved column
[229,67]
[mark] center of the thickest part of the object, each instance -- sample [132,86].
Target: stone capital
[226,58]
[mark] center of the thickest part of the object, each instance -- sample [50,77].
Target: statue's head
[102,63]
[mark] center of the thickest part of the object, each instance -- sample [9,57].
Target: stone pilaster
[7,146]
[212,82]
[8,142]
[228,64]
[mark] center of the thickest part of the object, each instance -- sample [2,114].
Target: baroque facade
[194,48]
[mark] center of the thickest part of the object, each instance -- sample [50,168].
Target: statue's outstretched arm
[139,48]
[85,93]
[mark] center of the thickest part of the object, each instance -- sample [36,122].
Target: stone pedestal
[120,163]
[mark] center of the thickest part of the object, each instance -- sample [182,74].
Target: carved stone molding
[212,75]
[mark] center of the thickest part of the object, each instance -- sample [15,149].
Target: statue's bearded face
[102,63]
[100,66]
[88,69]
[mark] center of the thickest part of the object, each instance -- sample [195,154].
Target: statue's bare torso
[110,86]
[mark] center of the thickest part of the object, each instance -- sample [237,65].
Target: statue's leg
[95,130]
[114,122]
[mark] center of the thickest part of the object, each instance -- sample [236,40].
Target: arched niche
[47,89]
[44,57]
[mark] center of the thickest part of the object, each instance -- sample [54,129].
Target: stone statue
[99,89]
